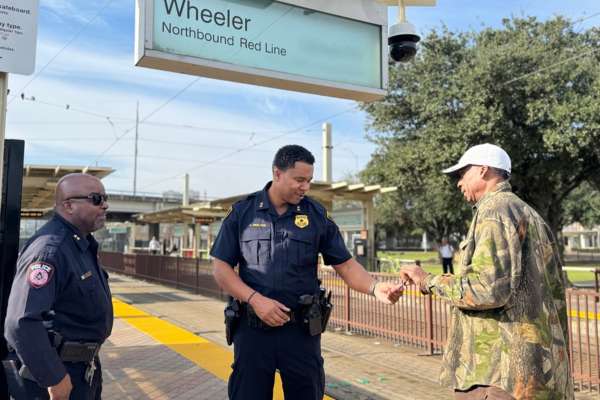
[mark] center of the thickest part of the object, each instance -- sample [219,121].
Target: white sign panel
[18,35]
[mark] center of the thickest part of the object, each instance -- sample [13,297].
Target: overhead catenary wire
[231,154]
[551,66]
[180,92]
[73,39]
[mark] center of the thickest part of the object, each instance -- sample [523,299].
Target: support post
[186,190]
[429,323]
[347,307]
[3,92]
[135,152]
[369,225]
[327,148]
[197,239]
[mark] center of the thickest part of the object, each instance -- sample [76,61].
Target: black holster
[316,310]
[232,319]
[14,380]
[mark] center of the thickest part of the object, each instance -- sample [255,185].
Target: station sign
[18,35]
[335,48]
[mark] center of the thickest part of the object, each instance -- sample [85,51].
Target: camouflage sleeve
[486,284]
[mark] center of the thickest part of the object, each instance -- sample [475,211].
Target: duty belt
[71,352]
[86,352]
[254,320]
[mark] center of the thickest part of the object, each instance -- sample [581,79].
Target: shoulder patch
[39,274]
[329,217]
[229,210]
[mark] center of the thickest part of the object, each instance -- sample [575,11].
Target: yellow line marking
[207,355]
[584,315]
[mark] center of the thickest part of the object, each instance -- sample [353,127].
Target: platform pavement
[357,368]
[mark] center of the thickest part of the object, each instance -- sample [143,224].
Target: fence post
[429,322]
[197,285]
[177,273]
[347,307]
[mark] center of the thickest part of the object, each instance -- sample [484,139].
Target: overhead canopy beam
[39,183]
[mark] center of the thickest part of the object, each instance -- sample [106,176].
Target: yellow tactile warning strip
[207,355]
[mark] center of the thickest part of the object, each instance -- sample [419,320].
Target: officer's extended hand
[270,311]
[388,292]
[413,274]
[62,390]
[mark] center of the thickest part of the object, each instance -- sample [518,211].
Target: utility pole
[135,154]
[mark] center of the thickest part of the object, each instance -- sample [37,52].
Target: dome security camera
[402,40]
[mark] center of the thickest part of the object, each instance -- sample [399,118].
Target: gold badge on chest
[301,221]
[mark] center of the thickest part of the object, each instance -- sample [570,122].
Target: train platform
[170,344]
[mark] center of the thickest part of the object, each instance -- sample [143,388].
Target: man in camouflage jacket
[509,335]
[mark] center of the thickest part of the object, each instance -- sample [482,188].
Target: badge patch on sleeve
[40,274]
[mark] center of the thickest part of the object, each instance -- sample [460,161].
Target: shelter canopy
[325,193]
[39,184]
[201,213]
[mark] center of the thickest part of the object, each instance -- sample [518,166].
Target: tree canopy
[531,87]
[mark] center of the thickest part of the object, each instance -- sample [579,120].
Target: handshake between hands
[390,292]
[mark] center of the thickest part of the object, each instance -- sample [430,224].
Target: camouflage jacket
[509,316]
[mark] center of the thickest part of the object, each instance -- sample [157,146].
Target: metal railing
[189,273]
[417,320]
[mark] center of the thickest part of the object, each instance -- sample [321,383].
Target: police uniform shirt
[278,254]
[58,278]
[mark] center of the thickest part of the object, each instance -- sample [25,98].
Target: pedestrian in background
[446,252]
[154,246]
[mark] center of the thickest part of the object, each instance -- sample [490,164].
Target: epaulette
[237,203]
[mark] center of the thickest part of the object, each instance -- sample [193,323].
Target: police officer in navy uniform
[275,236]
[59,309]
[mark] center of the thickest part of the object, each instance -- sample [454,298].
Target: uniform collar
[264,203]
[81,241]
[503,186]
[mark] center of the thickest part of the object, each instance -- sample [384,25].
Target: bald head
[76,201]
[73,185]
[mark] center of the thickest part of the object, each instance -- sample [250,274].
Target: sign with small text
[18,35]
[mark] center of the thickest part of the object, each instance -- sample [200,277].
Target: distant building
[579,237]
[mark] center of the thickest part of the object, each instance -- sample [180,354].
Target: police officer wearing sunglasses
[59,309]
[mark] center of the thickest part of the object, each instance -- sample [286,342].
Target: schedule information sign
[267,38]
[18,35]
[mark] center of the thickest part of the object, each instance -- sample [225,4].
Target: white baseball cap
[482,154]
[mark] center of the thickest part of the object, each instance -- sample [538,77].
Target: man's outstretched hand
[388,292]
[413,274]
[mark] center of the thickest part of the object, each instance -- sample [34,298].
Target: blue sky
[209,120]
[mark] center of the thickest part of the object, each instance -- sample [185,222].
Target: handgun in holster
[15,371]
[311,314]
[232,319]
[326,307]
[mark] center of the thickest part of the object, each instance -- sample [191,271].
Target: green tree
[531,87]
[583,206]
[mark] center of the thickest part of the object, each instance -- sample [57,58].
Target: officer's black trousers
[24,389]
[289,349]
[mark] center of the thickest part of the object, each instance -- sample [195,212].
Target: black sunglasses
[95,198]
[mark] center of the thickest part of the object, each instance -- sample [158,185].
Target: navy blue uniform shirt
[277,254]
[58,278]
